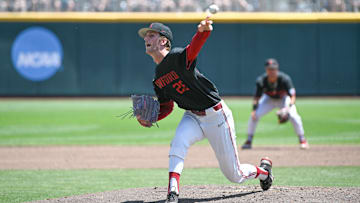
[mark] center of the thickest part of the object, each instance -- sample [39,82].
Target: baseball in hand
[213,8]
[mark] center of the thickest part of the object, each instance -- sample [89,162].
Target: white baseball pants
[266,104]
[218,127]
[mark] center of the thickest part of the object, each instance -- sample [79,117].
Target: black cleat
[266,164]
[172,197]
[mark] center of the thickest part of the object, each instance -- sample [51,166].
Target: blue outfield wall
[108,59]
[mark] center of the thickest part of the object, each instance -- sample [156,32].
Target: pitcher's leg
[187,133]
[222,138]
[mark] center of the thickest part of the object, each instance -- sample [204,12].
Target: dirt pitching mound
[221,194]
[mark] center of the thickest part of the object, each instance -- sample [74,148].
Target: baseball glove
[145,108]
[283,115]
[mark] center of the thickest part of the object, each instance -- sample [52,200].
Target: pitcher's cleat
[172,197]
[266,164]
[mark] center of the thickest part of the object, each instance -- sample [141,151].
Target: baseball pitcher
[206,115]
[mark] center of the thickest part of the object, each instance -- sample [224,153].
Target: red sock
[177,177]
[263,174]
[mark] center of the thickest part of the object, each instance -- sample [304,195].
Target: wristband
[255,106]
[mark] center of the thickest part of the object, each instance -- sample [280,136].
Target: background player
[274,89]
[207,116]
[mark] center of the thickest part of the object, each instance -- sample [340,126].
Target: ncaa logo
[37,54]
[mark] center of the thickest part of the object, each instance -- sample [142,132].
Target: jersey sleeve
[193,49]
[166,104]
[165,109]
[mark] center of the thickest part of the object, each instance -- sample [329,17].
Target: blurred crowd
[180,5]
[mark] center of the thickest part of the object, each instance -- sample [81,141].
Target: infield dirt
[110,157]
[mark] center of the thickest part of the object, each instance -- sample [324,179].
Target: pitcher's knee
[179,150]
[179,147]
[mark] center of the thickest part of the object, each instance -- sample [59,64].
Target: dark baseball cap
[157,27]
[271,63]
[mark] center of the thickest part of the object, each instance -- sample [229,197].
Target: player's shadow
[190,200]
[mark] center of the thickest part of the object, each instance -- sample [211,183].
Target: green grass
[28,185]
[90,122]
[94,122]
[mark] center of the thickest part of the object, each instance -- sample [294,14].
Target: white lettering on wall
[38,60]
